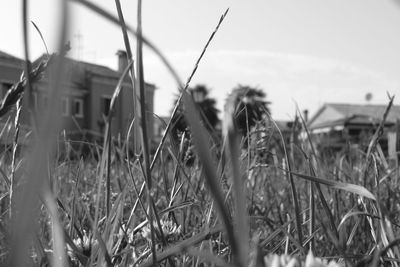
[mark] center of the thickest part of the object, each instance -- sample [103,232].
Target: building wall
[126,96]
[89,89]
[149,98]
[101,89]
[127,107]
[9,74]
[72,121]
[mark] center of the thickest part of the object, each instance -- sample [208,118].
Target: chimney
[305,115]
[122,60]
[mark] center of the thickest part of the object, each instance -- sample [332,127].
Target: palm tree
[206,107]
[208,112]
[250,106]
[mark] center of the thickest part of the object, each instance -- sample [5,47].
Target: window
[4,87]
[64,106]
[105,103]
[78,108]
[7,86]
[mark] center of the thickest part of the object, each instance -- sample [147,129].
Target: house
[160,124]
[11,68]
[335,125]
[10,71]
[87,89]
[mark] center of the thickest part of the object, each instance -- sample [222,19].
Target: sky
[303,53]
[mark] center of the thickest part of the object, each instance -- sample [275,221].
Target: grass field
[236,205]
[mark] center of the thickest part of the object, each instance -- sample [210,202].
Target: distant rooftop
[4,55]
[332,114]
[93,68]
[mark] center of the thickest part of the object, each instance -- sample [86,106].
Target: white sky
[309,51]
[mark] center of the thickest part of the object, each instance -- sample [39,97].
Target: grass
[236,205]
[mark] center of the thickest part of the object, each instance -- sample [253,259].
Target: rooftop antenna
[78,36]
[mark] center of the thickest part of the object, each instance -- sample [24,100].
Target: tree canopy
[206,106]
[250,106]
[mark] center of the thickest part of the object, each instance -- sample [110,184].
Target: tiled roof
[96,69]
[353,113]
[6,56]
[367,111]
[93,68]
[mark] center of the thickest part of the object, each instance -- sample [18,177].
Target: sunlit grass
[238,204]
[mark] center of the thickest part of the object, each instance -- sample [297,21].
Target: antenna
[78,36]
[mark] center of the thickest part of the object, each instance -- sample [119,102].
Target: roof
[96,69]
[91,67]
[8,57]
[335,114]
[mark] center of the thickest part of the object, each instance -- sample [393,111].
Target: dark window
[7,85]
[106,101]
[78,108]
[354,132]
[4,87]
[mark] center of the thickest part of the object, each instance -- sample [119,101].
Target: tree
[250,106]
[206,107]
[208,113]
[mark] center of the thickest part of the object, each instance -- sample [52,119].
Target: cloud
[308,80]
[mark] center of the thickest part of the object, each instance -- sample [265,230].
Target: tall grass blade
[105,158]
[233,153]
[14,93]
[59,255]
[152,212]
[375,138]
[296,203]
[27,65]
[41,37]
[353,214]
[313,164]
[352,188]
[107,15]
[175,110]
[182,246]
[14,154]
[136,109]
[93,7]
[312,214]
[202,149]
[24,222]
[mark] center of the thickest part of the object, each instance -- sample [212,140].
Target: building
[87,89]
[160,124]
[336,125]
[10,72]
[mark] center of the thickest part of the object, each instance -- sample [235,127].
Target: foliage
[251,106]
[206,106]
